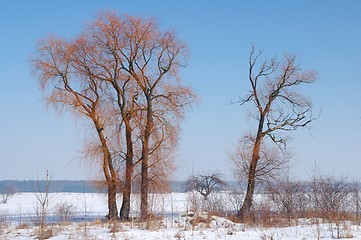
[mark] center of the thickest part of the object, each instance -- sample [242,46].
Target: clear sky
[326,36]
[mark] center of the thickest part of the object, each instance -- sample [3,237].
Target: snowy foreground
[18,218]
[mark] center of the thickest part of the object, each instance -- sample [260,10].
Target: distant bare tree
[279,107]
[6,192]
[205,184]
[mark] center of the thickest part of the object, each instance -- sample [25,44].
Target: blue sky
[326,36]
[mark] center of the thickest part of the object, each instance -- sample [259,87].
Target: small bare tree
[279,107]
[43,205]
[65,211]
[284,195]
[333,199]
[205,184]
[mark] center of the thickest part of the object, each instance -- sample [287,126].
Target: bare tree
[98,56]
[65,211]
[279,107]
[6,192]
[68,86]
[205,184]
[333,198]
[152,57]
[43,205]
[284,194]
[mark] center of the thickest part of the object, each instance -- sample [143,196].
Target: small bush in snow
[65,211]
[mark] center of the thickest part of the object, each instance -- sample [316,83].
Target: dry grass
[3,222]
[23,226]
[45,234]
[234,218]
[96,222]
[115,227]
[199,222]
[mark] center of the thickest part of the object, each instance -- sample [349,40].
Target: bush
[65,211]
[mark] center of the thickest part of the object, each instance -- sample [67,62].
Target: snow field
[16,221]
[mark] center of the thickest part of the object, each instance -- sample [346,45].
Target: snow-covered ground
[18,216]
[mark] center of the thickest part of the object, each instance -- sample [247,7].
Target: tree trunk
[110,177]
[112,201]
[127,190]
[144,189]
[144,206]
[111,189]
[248,201]
[112,196]
[125,209]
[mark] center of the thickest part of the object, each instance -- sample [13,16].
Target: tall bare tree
[99,49]
[152,57]
[279,107]
[69,87]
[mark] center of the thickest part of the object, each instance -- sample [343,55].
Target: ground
[18,220]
